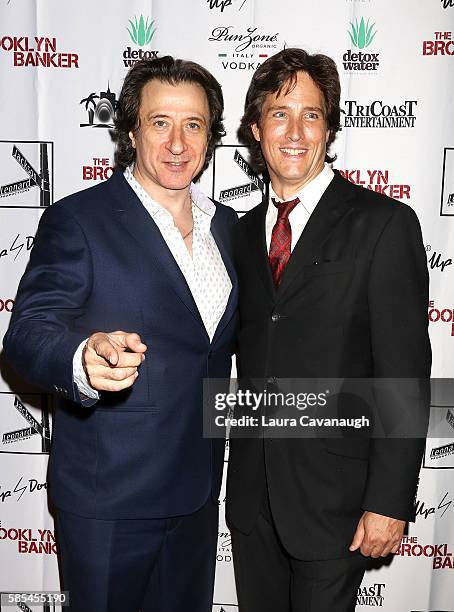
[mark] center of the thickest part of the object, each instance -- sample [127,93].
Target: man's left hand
[377,535]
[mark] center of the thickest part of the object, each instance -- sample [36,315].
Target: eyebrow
[152,115]
[306,108]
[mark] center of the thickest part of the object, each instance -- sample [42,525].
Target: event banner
[62,65]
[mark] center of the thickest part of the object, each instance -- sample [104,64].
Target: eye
[311,115]
[160,123]
[279,114]
[194,126]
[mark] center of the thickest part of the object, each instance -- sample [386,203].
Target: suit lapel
[256,245]
[139,224]
[334,204]
[219,234]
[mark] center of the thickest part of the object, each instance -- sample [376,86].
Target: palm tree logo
[100,113]
[91,111]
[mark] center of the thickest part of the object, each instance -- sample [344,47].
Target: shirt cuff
[79,376]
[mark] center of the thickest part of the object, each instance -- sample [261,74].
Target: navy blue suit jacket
[100,264]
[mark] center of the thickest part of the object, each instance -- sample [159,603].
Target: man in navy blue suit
[134,482]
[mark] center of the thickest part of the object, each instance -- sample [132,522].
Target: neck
[176,201]
[286,190]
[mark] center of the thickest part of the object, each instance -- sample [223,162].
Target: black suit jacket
[352,303]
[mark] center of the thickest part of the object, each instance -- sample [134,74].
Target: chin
[176,182]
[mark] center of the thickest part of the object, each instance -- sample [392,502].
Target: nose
[294,129]
[176,144]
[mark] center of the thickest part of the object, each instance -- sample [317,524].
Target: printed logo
[444,507]
[447,3]
[361,35]
[441,315]
[379,181]
[439,451]
[234,181]
[442,451]
[45,56]
[447,186]
[19,176]
[99,169]
[436,260]
[372,595]
[22,486]
[30,540]
[26,424]
[441,44]
[244,50]
[100,109]
[6,305]
[450,418]
[141,32]
[19,244]
[224,553]
[223,4]
[441,554]
[378,114]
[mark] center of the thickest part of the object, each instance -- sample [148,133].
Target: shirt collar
[203,209]
[311,193]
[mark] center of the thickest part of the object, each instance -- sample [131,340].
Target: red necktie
[281,239]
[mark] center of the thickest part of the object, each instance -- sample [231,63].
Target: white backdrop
[61,68]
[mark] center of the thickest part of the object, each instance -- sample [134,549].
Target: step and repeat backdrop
[61,69]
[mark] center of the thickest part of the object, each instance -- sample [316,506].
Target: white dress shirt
[309,198]
[204,272]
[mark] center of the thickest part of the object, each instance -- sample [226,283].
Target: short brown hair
[168,70]
[272,76]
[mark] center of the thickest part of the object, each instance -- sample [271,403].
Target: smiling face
[172,137]
[292,132]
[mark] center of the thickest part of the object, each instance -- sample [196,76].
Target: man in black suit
[333,283]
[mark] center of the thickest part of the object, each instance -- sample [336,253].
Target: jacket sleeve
[398,299]
[43,336]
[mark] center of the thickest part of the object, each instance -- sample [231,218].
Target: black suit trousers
[268,579]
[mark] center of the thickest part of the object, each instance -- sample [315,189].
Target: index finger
[126,360]
[131,341]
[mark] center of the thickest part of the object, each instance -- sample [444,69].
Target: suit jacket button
[275,317]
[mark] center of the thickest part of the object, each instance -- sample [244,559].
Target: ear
[133,140]
[255,131]
[327,136]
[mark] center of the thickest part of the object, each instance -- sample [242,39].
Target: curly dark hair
[280,71]
[168,70]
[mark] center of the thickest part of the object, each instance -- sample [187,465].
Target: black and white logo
[222,5]
[26,173]
[447,187]
[25,424]
[100,109]
[439,453]
[371,595]
[379,114]
[234,181]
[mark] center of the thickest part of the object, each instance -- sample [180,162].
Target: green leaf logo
[141,31]
[362,34]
